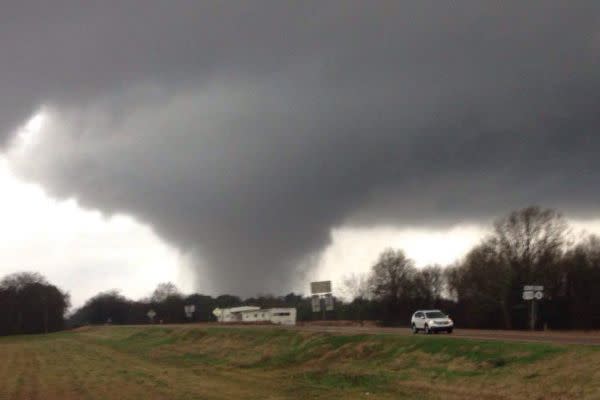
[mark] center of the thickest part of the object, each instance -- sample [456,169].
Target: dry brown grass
[198,363]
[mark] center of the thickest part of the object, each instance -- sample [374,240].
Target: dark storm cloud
[244,131]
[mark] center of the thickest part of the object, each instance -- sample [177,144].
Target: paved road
[558,337]
[571,337]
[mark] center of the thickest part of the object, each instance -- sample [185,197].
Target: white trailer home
[255,316]
[279,316]
[232,314]
[283,316]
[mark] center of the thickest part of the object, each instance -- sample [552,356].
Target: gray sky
[242,133]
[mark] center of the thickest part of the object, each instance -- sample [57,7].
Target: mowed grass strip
[179,362]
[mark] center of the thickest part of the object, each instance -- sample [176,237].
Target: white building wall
[283,316]
[279,316]
[232,314]
[228,316]
[255,316]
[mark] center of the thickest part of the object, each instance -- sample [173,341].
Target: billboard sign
[320,287]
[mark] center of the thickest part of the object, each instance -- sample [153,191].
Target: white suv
[431,321]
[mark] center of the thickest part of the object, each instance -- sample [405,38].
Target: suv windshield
[435,314]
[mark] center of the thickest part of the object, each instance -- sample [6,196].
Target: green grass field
[228,363]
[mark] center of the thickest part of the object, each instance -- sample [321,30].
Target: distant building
[232,314]
[249,314]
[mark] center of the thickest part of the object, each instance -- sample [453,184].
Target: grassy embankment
[230,363]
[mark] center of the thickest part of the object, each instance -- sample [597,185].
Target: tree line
[530,246]
[168,304]
[29,304]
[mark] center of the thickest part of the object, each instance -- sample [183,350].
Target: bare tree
[163,291]
[531,240]
[29,304]
[483,280]
[391,282]
[168,302]
[356,286]
[525,247]
[582,279]
[429,284]
[20,280]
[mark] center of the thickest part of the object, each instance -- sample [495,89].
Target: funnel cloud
[243,133]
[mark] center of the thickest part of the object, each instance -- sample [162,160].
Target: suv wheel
[414,329]
[450,330]
[427,331]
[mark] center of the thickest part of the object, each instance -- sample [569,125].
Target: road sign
[189,310]
[316,303]
[151,314]
[533,288]
[320,287]
[528,295]
[329,302]
[533,293]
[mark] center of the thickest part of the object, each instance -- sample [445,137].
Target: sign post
[321,291]
[315,302]
[151,314]
[533,294]
[328,302]
[189,310]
